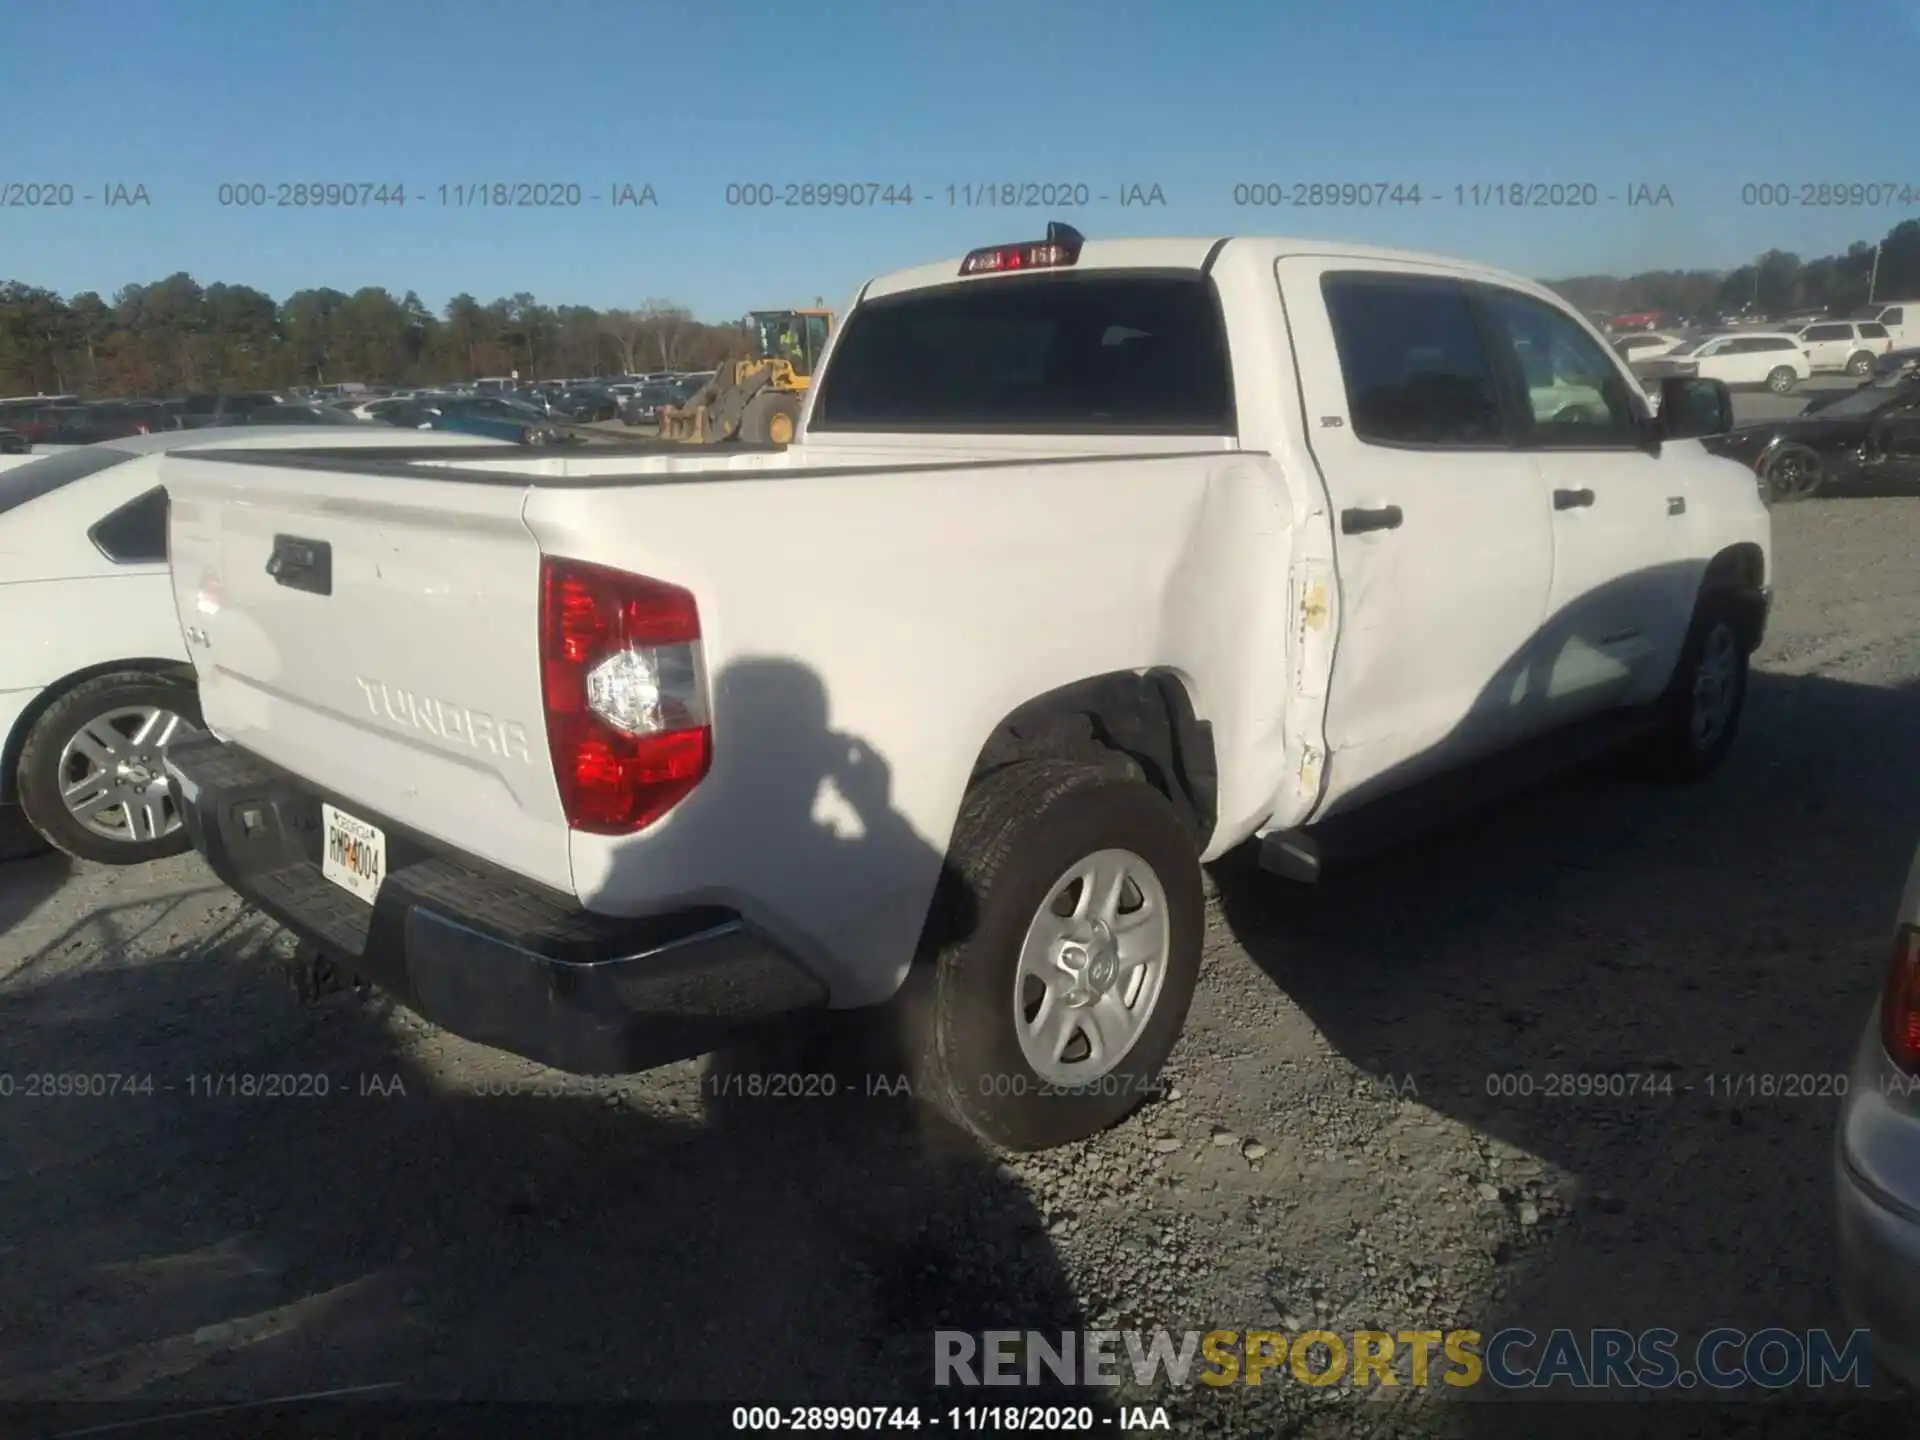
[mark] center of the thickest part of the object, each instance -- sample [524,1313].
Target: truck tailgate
[379,639]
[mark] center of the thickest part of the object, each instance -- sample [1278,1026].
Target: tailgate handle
[1359,522]
[1572,499]
[302,564]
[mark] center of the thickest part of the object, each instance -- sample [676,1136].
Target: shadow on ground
[1690,937]
[378,1213]
[26,885]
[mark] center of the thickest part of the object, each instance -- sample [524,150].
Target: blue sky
[1195,98]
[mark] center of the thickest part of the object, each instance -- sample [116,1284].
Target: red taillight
[1900,1002]
[624,682]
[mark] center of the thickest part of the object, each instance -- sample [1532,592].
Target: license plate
[353,854]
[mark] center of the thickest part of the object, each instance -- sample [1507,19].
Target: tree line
[1777,283]
[175,334]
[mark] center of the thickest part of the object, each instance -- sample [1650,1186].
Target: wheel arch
[15,741]
[1144,720]
[1738,574]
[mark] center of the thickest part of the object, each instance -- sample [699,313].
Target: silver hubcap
[1714,684]
[1092,967]
[113,777]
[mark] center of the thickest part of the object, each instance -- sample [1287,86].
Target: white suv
[1847,347]
[95,682]
[1750,357]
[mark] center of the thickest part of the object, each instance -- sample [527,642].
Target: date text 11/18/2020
[1491,195]
[883,1085]
[971,195]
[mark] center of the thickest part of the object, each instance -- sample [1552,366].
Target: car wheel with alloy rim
[92,776]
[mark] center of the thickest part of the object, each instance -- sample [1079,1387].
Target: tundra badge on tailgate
[448,721]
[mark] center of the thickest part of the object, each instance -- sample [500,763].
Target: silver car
[1877,1161]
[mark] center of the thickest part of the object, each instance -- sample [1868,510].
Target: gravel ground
[1329,1153]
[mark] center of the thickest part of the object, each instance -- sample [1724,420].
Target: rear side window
[1873,332]
[1415,366]
[1781,344]
[1827,332]
[43,477]
[1101,352]
[136,533]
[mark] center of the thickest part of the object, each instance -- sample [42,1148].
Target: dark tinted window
[136,533]
[1873,332]
[1415,368]
[43,477]
[1827,332]
[1113,352]
[1892,317]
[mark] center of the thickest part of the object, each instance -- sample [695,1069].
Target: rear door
[1827,346]
[1616,614]
[1443,545]
[376,634]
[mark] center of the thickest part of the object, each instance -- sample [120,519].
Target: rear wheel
[92,778]
[1062,957]
[1782,379]
[1859,364]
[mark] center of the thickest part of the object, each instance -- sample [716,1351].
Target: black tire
[1677,752]
[757,425]
[1859,364]
[1791,473]
[1781,379]
[39,779]
[1020,830]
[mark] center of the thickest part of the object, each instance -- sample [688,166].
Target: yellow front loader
[756,400]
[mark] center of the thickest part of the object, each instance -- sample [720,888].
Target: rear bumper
[483,955]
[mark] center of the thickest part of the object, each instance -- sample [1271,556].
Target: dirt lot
[1330,1152]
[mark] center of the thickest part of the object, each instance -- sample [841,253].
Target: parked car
[1902,319]
[1869,435]
[1646,344]
[665,770]
[1847,347]
[1751,357]
[1894,362]
[1876,1160]
[586,406]
[12,442]
[644,405]
[310,414]
[493,416]
[201,410]
[96,679]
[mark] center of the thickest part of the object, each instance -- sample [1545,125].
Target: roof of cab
[1181,253]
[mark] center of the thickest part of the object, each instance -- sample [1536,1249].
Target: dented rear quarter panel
[900,618]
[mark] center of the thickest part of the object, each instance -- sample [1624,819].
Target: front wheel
[1700,713]
[1045,1015]
[1781,380]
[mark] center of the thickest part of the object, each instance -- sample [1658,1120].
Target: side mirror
[1691,408]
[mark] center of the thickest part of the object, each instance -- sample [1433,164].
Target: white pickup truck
[1092,561]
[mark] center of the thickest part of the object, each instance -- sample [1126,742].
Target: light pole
[1873,276]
